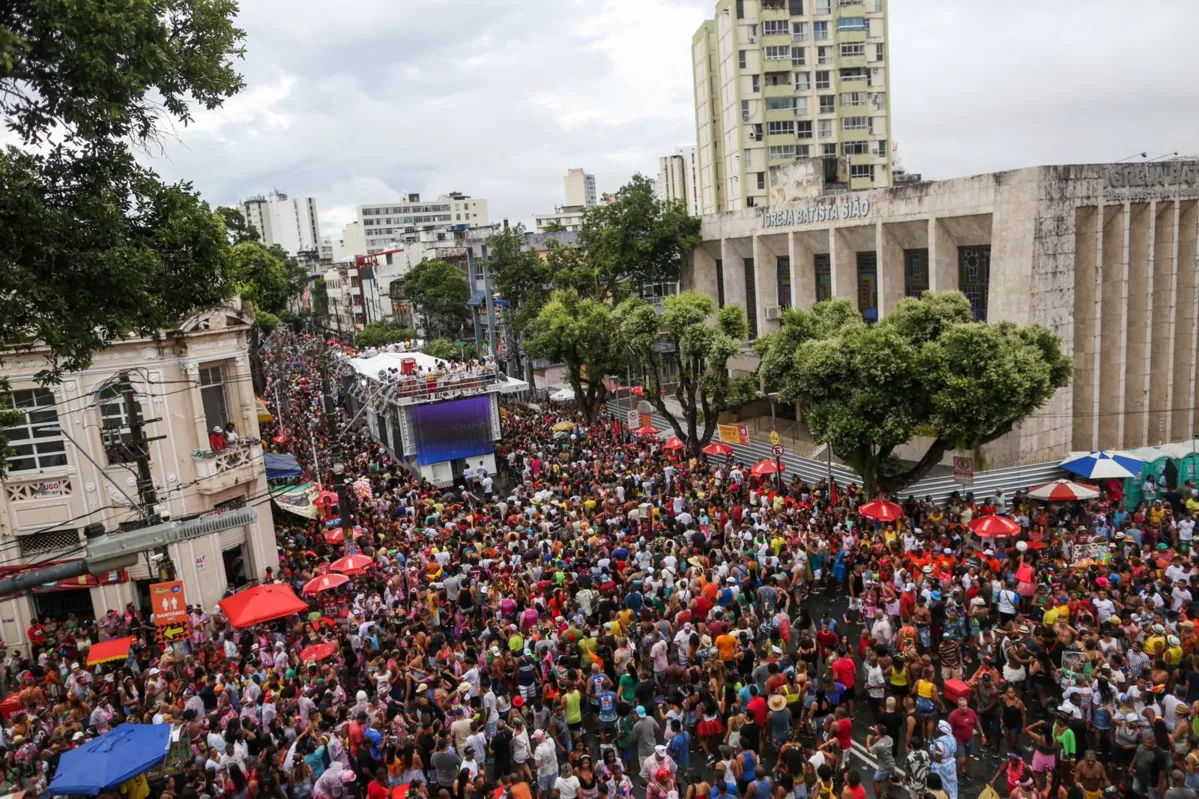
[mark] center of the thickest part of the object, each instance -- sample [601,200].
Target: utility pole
[343,506]
[139,449]
[326,393]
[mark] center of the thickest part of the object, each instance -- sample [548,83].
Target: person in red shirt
[964,721]
[377,789]
[756,706]
[357,734]
[826,639]
[842,727]
[36,635]
[844,672]
[216,440]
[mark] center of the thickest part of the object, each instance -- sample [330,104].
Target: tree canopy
[93,246]
[379,334]
[269,277]
[582,335]
[926,369]
[701,347]
[439,291]
[237,227]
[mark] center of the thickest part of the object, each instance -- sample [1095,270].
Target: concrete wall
[1111,272]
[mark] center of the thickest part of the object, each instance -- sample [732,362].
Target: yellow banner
[734,433]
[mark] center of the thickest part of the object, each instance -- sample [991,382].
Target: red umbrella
[718,448]
[881,511]
[638,391]
[1063,491]
[674,442]
[764,467]
[994,527]
[262,603]
[334,536]
[317,652]
[325,499]
[647,430]
[326,582]
[352,564]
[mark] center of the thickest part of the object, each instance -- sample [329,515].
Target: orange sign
[167,603]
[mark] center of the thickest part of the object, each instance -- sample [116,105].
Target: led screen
[449,430]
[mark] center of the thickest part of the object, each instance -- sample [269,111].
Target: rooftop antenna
[1167,155]
[1134,155]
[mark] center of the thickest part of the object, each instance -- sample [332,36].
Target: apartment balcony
[219,470]
[783,89]
[774,9]
[844,62]
[851,36]
[776,39]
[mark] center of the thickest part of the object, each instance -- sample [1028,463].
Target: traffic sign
[168,604]
[963,470]
[777,450]
[633,419]
[774,439]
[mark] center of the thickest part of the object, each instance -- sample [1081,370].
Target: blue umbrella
[111,759]
[1101,465]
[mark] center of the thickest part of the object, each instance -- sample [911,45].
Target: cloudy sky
[356,102]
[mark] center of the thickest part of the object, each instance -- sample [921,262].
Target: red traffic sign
[777,450]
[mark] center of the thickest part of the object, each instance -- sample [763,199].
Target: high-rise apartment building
[678,176]
[290,222]
[404,220]
[777,81]
[580,188]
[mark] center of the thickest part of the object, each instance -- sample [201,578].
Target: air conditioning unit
[774,311]
[745,117]
[753,39]
[753,136]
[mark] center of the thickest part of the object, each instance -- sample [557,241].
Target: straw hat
[777,702]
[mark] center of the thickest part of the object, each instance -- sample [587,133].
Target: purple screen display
[449,430]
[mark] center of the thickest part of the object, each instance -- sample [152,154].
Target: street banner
[734,433]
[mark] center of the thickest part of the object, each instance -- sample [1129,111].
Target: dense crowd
[606,618]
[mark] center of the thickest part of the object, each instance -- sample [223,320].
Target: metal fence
[939,488]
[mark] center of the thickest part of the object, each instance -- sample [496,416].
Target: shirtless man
[1092,775]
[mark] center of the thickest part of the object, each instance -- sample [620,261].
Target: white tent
[563,395]
[512,385]
[386,361]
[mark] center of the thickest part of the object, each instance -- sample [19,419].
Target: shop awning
[477,298]
[280,467]
[512,385]
[105,651]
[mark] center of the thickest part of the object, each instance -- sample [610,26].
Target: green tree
[440,291]
[519,275]
[378,334]
[555,226]
[94,246]
[927,369]
[582,334]
[701,348]
[635,241]
[449,350]
[268,280]
[237,228]
[320,300]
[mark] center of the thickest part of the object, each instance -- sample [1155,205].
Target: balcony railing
[217,470]
[415,389]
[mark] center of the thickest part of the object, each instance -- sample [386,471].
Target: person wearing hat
[778,720]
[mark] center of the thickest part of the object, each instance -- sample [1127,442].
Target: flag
[832,492]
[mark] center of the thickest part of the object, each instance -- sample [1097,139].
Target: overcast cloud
[357,102]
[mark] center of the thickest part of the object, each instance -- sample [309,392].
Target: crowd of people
[606,618]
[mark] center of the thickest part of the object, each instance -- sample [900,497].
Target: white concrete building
[570,217]
[387,225]
[580,188]
[778,81]
[67,469]
[1102,254]
[290,222]
[678,177]
[352,242]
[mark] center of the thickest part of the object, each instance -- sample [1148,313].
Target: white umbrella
[1063,491]
[563,395]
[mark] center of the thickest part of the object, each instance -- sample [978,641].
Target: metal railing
[412,389]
